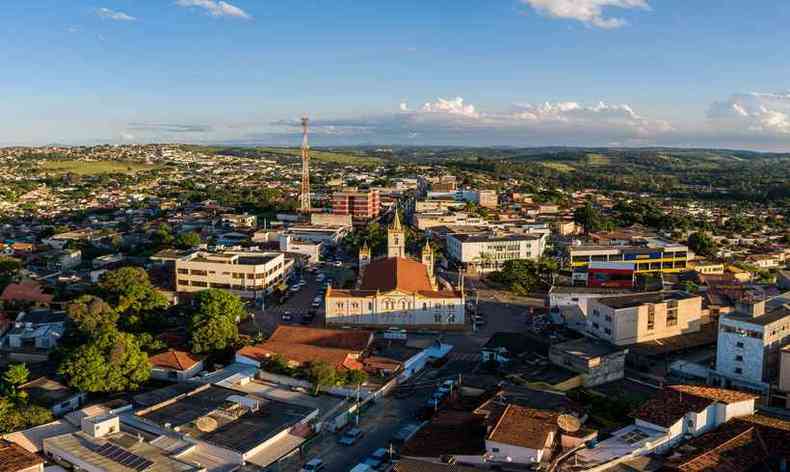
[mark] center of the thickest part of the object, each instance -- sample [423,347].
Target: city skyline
[504,72]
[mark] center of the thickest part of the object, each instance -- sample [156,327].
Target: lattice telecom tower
[304,196]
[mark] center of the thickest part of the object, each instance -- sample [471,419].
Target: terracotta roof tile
[176,360]
[301,354]
[524,427]
[352,340]
[396,273]
[26,291]
[14,458]
[673,402]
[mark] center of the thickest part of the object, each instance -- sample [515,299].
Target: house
[522,435]
[342,349]
[674,413]
[53,395]
[597,361]
[34,335]
[175,365]
[14,458]
[24,295]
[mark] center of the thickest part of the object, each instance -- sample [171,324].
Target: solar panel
[124,457]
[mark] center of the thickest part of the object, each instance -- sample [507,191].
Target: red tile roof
[396,273]
[14,458]
[301,354]
[673,402]
[448,433]
[352,340]
[176,360]
[524,427]
[26,291]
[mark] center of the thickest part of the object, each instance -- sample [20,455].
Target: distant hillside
[342,157]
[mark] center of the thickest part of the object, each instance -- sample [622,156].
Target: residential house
[14,458]
[175,365]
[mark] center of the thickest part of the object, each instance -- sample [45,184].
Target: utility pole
[357,408]
[304,196]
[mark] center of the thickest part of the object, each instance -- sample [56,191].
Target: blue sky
[471,72]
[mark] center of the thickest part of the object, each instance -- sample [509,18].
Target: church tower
[427,261]
[396,238]
[364,256]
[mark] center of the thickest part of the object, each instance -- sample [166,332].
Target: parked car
[405,433]
[350,437]
[286,316]
[361,468]
[378,459]
[315,465]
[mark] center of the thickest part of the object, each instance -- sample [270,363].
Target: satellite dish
[569,423]
[206,424]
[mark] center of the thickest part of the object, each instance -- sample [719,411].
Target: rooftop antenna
[304,196]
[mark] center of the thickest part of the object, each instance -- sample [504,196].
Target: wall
[408,310]
[518,455]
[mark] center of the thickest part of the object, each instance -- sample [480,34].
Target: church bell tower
[396,238]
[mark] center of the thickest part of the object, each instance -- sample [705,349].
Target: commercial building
[632,319]
[248,274]
[654,256]
[243,220]
[483,253]
[360,204]
[749,344]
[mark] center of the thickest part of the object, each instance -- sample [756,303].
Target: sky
[700,73]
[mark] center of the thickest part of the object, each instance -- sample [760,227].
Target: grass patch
[94,167]
[329,156]
[559,166]
[597,160]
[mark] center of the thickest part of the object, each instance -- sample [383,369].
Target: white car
[314,465]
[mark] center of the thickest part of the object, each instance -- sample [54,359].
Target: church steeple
[396,239]
[427,261]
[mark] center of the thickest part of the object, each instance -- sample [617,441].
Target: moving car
[350,437]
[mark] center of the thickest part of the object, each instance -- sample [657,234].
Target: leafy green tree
[162,236]
[590,218]
[92,314]
[702,243]
[321,374]
[213,324]
[113,361]
[129,290]
[355,377]
[19,415]
[188,240]
[523,276]
[9,266]
[16,375]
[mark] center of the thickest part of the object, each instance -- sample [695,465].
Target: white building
[748,346]
[483,253]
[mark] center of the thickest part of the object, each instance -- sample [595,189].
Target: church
[396,291]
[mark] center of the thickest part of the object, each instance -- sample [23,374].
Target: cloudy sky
[474,72]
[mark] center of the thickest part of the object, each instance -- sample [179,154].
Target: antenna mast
[304,196]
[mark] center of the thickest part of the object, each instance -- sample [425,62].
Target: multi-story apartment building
[248,274]
[749,344]
[655,256]
[631,319]
[360,204]
[482,253]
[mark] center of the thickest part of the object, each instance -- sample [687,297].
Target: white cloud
[216,8]
[756,112]
[456,121]
[127,137]
[114,15]
[590,12]
[454,106]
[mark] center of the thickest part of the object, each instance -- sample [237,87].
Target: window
[738,370]
[651,317]
[738,358]
[596,314]
[739,344]
[437,318]
[608,318]
[608,331]
[672,316]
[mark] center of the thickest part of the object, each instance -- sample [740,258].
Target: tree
[188,240]
[92,314]
[355,377]
[523,276]
[15,416]
[9,266]
[213,324]
[162,236]
[321,374]
[113,361]
[590,218]
[129,290]
[702,243]
[16,375]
